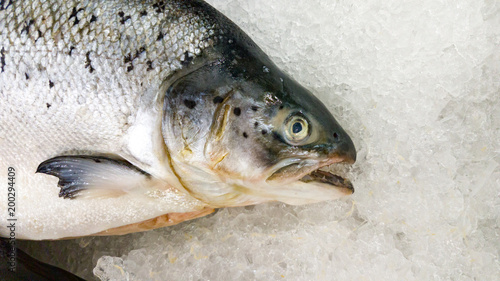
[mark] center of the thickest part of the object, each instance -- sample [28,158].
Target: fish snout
[343,148]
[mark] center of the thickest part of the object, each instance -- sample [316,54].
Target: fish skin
[68,86]
[91,79]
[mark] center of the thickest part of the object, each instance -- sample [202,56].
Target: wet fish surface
[121,116]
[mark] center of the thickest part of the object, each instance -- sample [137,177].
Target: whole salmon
[119,116]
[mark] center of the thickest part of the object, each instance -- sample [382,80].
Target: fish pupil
[296,128]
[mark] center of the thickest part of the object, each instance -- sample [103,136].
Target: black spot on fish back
[4,4]
[150,65]
[189,104]
[48,105]
[143,13]
[93,18]
[39,35]
[160,36]
[26,28]
[124,18]
[140,51]
[26,75]
[187,58]
[88,62]
[254,108]
[2,59]
[74,14]
[245,135]
[51,84]
[159,7]
[71,50]
[256,124]
[129,58]
[264,131]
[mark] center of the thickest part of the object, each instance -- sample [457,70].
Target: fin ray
[79,173]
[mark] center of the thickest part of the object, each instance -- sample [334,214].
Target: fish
[123,116]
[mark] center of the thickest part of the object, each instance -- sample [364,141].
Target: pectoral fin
[91,176]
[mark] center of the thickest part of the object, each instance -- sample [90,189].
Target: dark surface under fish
[27,267]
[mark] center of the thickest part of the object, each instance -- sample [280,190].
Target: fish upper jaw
[346,151]
[295,169]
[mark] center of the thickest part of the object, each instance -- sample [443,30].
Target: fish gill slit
[220,118]
[222,122]
[225,116]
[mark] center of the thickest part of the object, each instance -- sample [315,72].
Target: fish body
[129,115]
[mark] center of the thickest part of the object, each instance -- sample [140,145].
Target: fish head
[240,139]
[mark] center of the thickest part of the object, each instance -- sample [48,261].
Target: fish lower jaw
[332,175]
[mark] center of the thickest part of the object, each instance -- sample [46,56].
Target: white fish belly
[71,92]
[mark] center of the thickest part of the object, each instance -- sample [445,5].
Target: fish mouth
[328,178]
[327,175]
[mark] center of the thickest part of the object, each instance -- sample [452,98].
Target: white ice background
[417,86]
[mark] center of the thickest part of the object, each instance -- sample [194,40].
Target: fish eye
[296,129]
